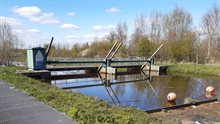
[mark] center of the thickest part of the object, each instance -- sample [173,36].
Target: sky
[80,21]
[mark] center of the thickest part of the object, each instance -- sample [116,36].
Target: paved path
[19,108]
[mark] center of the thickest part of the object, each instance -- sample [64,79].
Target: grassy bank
[194,69]
[76,106]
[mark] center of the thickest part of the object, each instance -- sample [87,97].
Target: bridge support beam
[133,69]
[152,68]
[91,70]
[109,70]
[157,68]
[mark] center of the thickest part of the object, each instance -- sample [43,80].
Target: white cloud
[33,30]
[88,36]
[27,11]
[69,26]
[104,34]
[71,14]
[17,31]
[99,27]
[72,36]
[34,14]
[12,21]
[44,18]
[112,10]
[84,37]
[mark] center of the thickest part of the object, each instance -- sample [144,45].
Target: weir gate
[40,66]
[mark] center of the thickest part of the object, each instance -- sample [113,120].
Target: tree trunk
[208,52]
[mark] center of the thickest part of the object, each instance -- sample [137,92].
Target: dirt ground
[208,113]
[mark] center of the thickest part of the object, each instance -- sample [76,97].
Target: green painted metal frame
[98,62]
[107,61]
[118,61]
[74,62]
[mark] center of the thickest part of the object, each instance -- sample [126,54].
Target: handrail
[116,47]
[156,51]
[111,50]
[72,62]
[116,50]
[149,59]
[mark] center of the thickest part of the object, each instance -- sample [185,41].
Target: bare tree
[138,34]
[121,36]
[177,32]
[121,32]
[211,29]
[9,43]
[75,50]
[111,37]
[141,26]
[176,24]
[140,45]
[156,21]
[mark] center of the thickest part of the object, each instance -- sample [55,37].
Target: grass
[76,106]
[199,69]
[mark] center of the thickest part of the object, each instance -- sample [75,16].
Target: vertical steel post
[106,70]
[48,48]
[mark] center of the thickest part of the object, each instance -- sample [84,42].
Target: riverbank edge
[82,109]
[198,69]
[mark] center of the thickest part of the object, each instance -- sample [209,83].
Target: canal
[140,90]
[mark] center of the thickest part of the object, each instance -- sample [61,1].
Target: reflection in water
[170,103]
[142,90]
[209,95]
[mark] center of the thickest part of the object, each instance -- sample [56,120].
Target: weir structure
[38,60]
[40,66]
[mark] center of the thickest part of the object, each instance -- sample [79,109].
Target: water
[141,90]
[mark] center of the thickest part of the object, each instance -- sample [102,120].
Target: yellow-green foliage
[76,106]
[194,69]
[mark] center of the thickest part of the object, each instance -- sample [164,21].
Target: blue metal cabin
[36,58]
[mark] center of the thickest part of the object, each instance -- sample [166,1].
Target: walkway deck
[67,68]
[95,67]
[19,108]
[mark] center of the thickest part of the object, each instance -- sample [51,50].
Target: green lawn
[195,69]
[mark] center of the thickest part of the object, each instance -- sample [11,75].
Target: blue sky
[77,21]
